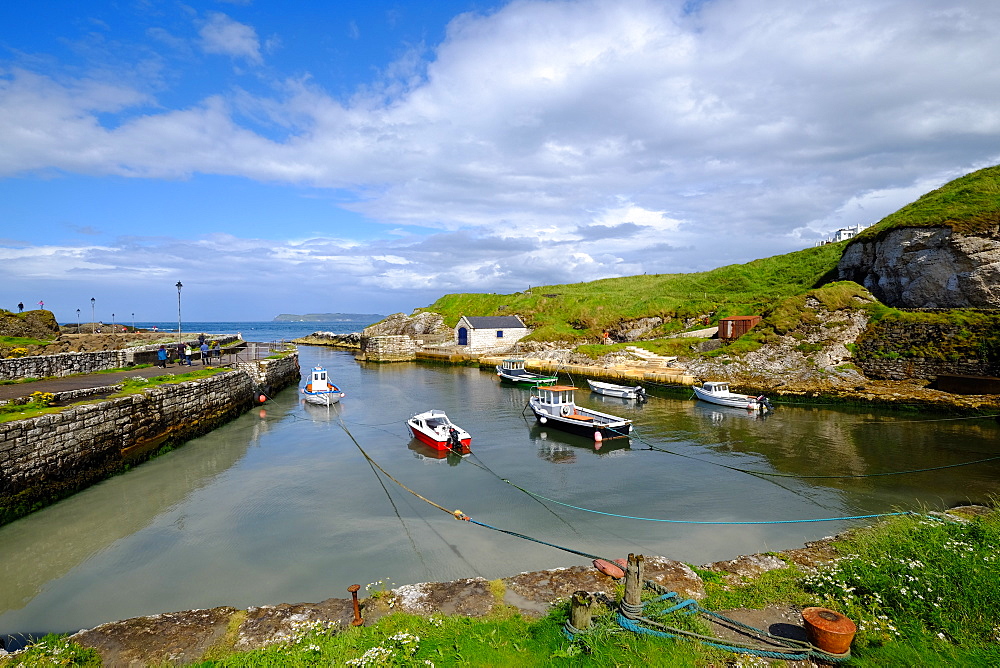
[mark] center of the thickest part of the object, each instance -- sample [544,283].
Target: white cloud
[562,141]
[222,35]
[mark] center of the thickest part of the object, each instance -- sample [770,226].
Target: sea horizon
[250,330]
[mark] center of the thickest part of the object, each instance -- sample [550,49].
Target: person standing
[217,351]
[187,353]
[180,354]
[20,307]
[161,357]
[204,353]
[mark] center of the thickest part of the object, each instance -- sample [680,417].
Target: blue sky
[370,157]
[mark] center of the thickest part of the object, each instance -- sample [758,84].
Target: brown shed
[734,327]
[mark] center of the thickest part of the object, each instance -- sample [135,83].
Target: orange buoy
[829,630]
[262,398]
[609,569]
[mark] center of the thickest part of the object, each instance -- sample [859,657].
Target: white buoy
[598,437]
[543,420]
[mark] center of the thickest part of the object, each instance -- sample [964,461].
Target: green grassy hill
[969,204]
[580,311]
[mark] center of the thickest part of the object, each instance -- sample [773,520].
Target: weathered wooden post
[635,576]
[580,610]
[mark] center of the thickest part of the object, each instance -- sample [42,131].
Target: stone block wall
[389,348]
[46,458]
[891,350]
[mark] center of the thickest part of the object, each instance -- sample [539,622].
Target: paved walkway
[88,380]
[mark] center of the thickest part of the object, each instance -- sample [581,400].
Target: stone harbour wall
[901,351]
[388,348]
[49,457]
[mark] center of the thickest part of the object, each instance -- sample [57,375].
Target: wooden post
[581,609]
[635,575]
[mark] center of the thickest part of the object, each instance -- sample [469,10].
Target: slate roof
[494,322]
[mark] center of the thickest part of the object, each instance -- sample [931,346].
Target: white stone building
[487,333]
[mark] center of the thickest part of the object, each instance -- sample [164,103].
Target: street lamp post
[93,318]
[133,323]
[179,286]
[112,323]
[78,321]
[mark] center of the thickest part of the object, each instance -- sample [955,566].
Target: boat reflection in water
[560,447]
[719,414]
[321,412]
[429,455]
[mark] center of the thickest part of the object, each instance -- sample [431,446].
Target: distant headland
[327,317]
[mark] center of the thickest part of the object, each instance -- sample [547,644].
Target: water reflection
[553,442]
[430,455]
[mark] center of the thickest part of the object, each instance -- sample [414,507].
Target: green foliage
[969,205]
[54,650]
[139,384]
[38,404]
[919,579]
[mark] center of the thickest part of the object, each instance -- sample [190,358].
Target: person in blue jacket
[161,357]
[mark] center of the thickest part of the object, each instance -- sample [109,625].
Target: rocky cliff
[37,324]
[927,267]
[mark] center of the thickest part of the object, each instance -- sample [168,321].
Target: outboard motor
[640,395]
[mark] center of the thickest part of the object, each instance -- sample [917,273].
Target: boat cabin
[512,364]
[716,387]
[319,380]
[557,396]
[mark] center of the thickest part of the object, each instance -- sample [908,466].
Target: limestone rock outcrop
[420,324]
[927,267]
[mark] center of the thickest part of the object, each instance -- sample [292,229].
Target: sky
[369,157]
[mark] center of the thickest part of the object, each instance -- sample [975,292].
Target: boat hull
[438,444]
[322,398]
[526,379]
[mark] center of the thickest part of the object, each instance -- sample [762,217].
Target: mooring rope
[633,618]
[804,477]
[458,514]
[482,465]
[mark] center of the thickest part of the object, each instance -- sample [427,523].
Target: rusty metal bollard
[357,621]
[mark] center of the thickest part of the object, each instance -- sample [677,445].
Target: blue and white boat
[320,391]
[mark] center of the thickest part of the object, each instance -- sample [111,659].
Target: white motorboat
[612,390]
[717,392]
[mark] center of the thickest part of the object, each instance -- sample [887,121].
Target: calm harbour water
[281,506]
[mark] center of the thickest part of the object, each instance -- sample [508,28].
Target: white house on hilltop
[486,333]
[843,234]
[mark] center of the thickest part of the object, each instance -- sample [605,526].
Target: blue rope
[658,519]
[630,616]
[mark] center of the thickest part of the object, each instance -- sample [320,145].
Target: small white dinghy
[612,390]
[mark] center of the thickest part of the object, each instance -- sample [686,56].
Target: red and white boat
[434,429]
